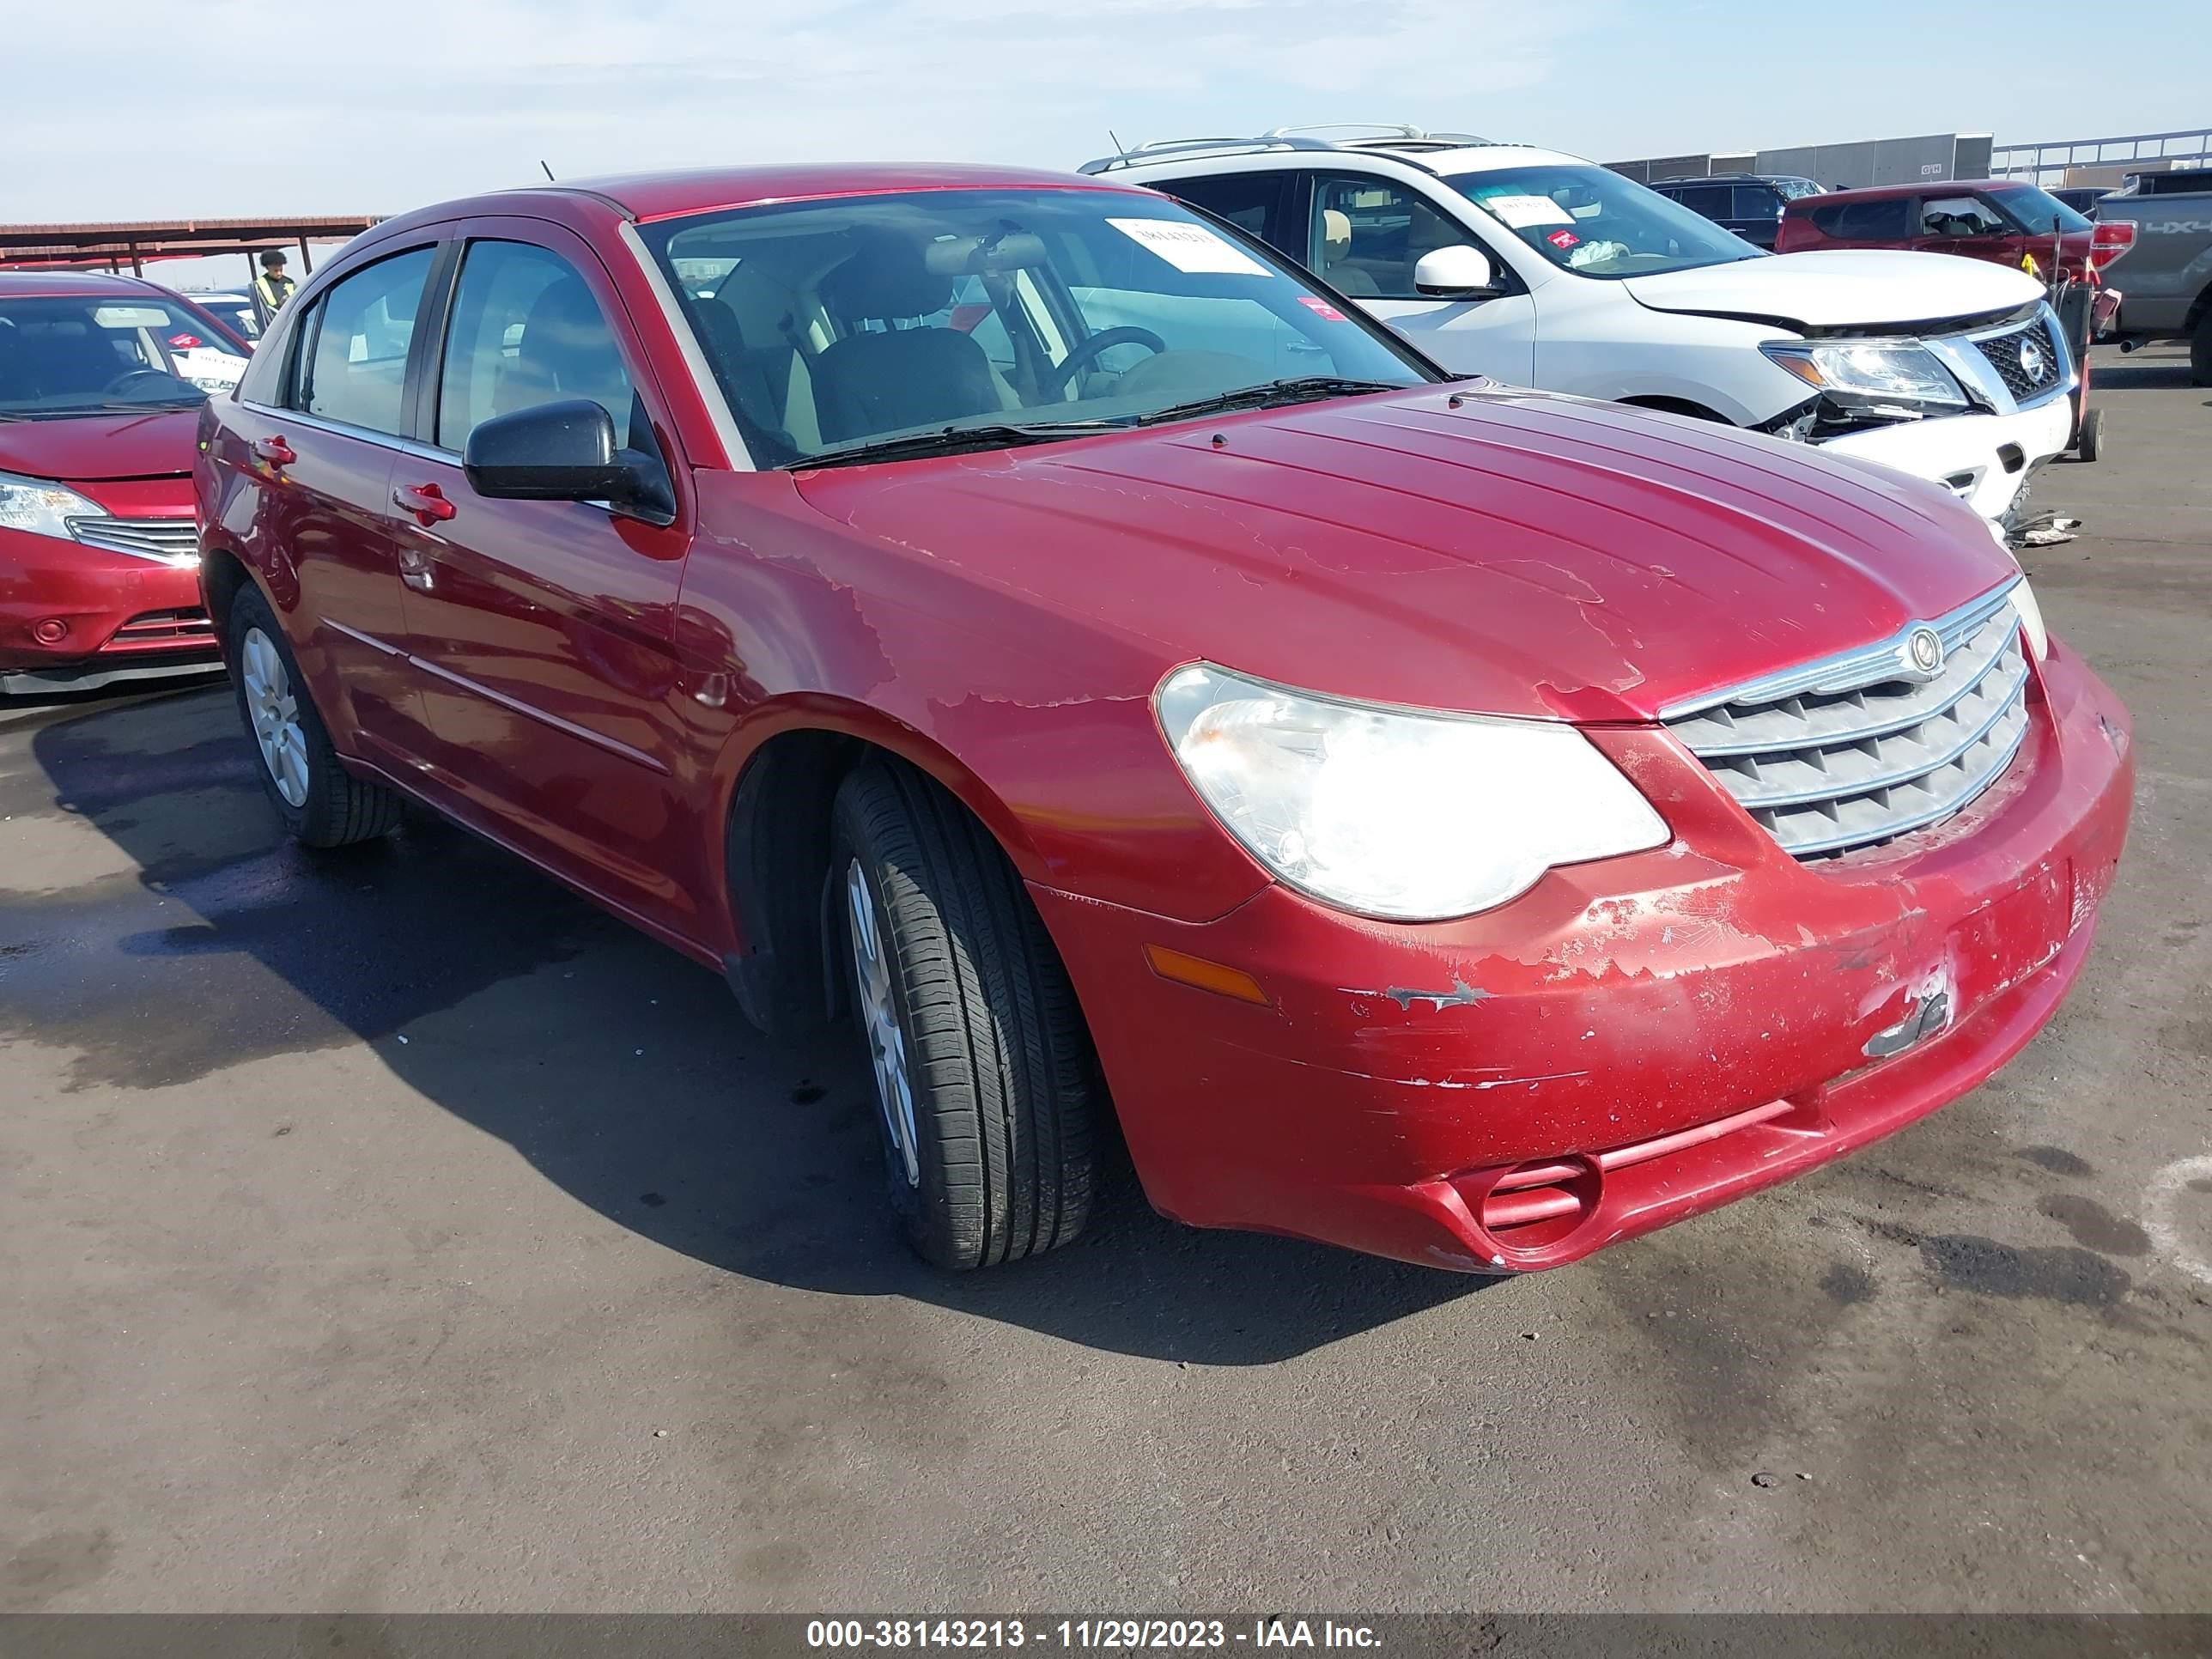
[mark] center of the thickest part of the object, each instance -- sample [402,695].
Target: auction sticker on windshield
[1527,212]
[1189,248]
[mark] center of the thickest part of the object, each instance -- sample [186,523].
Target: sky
[134,109]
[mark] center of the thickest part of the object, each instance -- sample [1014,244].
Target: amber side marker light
[1205,975]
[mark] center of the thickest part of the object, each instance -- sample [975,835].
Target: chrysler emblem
[1925,649]
[2032,363]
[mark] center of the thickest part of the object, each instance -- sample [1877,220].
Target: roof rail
[1397,140]
[1159,149]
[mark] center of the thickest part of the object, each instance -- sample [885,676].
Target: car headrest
[1335,232]
[885,275]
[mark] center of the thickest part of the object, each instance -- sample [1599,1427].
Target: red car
[1463,823]
[2002,220]
[102,382]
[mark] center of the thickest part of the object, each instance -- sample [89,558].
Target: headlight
[1411,817]
[1885,379]
[40,507]
[2031,620]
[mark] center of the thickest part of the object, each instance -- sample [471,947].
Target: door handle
[274,450]
[426,501]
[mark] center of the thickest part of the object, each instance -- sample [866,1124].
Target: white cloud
[129,111]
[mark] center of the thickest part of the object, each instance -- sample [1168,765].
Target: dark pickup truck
[2165,277]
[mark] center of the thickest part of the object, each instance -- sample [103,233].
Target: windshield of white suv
[84,355]
[888,326]
[1595,222]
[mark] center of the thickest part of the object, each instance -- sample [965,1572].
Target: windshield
[2033,210]
[838,325]
[76,354]
[1595,222]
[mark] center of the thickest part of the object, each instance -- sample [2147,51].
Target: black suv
[1748,203]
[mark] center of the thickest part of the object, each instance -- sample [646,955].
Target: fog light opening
[1530,1210]
[50,630]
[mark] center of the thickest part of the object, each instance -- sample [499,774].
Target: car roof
[1269,151]
[1732,178]
[49,285]
[1883,192]
[648,196]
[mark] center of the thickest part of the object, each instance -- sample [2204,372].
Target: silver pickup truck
[2164,279]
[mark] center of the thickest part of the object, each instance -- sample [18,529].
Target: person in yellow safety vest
[272,287]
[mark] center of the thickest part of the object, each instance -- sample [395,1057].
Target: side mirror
[1458,272]
[564,451]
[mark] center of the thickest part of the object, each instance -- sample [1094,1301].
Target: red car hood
[1523,554]
[157,444]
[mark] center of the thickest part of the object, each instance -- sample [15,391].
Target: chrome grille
[2045,365]
[1858,749]
[175,540]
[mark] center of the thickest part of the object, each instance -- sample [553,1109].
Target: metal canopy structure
[129,244]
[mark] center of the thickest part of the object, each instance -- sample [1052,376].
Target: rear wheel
[986,1089]
[321,804]
[2200,351]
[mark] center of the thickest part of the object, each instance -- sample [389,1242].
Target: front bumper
[1983,459]
[1632,1041]
[74,616]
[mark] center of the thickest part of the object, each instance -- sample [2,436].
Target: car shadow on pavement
[621,1072]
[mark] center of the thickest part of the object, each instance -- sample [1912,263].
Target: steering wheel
[1088,351]
[121,382]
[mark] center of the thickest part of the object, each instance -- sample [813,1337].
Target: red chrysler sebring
[101,378]
[1024,618]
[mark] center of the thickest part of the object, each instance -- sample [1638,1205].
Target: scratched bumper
[1631,1041]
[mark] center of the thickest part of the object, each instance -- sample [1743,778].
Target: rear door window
[1888,220]
[356,366]
[1710,200]
[1251,200]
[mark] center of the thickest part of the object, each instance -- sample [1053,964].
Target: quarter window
[1369,233]
[526,331]
[357,362]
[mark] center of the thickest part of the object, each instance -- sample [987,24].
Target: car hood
[90,447]
[1483,550]
[1841,288]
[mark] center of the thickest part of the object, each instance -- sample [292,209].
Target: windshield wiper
[1298,389]
[955,441]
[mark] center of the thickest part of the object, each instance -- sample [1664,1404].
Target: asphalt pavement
[391,1231]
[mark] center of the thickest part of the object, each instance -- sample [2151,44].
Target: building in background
[1837,166]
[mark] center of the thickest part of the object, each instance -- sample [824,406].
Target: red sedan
[1027,619]
[101,380]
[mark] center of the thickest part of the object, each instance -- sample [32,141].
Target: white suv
[1542,269]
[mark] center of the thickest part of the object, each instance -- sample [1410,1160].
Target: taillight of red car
[2110,241]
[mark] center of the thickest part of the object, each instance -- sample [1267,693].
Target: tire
[2091,442]
[2200,351]
[320,803]
[986,1087]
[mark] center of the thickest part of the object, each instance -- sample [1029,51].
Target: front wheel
[2091,443]
[321,804]
[987,1090]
